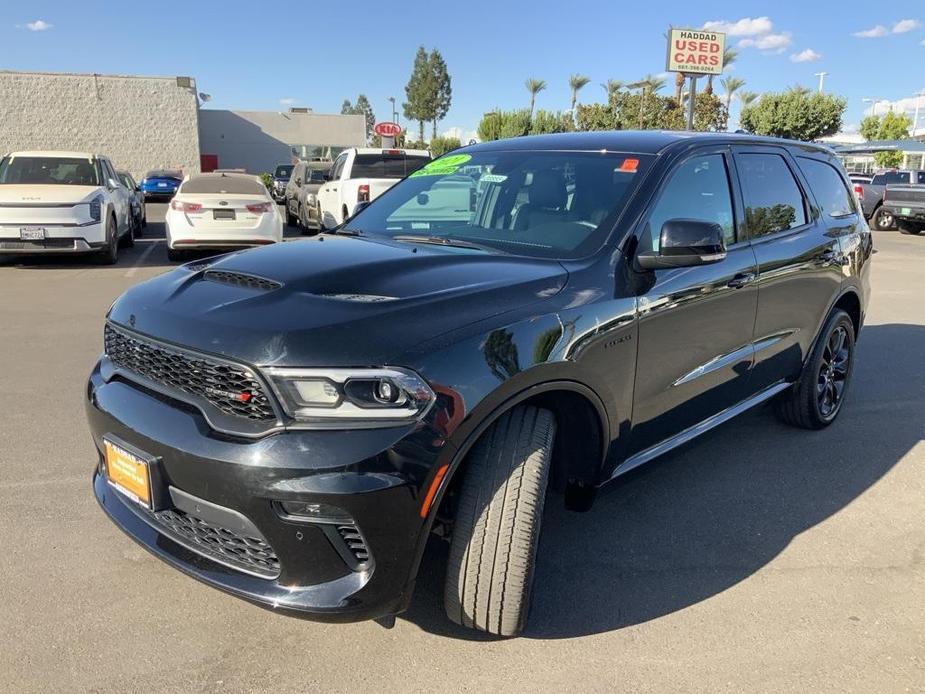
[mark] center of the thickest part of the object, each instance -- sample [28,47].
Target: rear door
[695,323]
[799,260]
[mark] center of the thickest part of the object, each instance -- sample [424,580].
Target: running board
[696,430]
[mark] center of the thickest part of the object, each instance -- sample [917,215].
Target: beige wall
[142,123]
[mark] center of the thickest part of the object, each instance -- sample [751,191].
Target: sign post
[387,131]
[694,53]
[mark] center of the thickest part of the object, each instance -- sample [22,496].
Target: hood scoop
[240,279]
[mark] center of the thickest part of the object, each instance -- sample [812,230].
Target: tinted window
[773,201]
[698,189]
[314,175]
[283,171]
[531,203]
[883,179]
[160,173]
[385,165]
[338,167]
[49,170]
[224,183]
[920,177]
[830,190]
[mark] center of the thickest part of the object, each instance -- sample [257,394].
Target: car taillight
[259,208]
[859,191]
[185,206]
[363,193]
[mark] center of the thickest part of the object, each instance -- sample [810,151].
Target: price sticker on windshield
[443,166]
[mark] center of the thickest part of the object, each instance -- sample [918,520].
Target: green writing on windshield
[443,166]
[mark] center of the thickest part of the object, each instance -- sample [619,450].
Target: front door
[696,323]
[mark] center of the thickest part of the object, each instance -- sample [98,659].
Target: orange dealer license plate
[128,473]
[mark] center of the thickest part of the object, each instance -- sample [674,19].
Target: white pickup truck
[361,174]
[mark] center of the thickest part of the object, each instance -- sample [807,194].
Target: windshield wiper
[344,231]
[444,241]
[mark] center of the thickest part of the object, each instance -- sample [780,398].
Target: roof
[223,174]
[53,154]
[640,141]
[882,146]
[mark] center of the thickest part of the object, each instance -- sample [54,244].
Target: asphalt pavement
[757,559]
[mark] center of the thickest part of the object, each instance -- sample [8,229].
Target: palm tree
[731,85]
[747,98]
[679,80]
[612,87]
[729,57]
[576,82]
[534,86]
[648,85]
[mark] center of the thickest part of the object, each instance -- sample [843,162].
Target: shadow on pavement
[702,519]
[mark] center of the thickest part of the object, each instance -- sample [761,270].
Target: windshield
[541,204]
[315,176]
[386,165]
[284,171]
[58,171]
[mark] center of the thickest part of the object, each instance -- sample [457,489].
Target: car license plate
[161,185]
[32,233]
[128,473]
[223,214]
[905,211]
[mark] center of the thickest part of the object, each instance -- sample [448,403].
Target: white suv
[63,202]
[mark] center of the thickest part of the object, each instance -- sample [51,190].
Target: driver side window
[698,189]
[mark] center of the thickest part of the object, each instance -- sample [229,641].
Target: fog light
[313,511]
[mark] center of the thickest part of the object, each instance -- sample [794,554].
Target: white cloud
[806,56]
[905,105]
[769,43]
[874,32]
[38,25]
[288,101]
[463,135]
[904,25]
[747,26]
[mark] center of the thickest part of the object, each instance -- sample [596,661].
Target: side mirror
[326,175]
[359,207]
[113,184]
[685,243]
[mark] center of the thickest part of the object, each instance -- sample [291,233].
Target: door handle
[831,257]
[740,280]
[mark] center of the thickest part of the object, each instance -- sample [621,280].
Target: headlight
[96,208]
[358,397]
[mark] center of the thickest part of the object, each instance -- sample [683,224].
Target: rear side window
[385,165]
[698,189]
[920,177]
[829,188]
[773,200]
[223,183]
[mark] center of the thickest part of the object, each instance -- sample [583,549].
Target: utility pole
[394,112]
[821,76]
[691,99]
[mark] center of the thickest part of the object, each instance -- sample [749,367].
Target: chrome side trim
[696,430]
[719,362]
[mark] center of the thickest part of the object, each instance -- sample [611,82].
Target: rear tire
[127,240]
[825,378]
[882,220]
[497,526]
[913,228]
[290,220]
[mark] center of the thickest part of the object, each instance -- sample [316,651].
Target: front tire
[497,526]
[816,399]
[109,255]
[174,256]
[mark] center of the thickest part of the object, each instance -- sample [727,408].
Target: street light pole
[394,112]
[821,76]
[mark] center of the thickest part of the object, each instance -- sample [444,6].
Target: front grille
[354,541]
[36,245]
[241,280]
[249,554]
[231,389]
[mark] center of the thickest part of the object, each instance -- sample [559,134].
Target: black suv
[516,321]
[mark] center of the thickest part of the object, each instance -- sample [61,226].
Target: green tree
[489,127]
[442,85]
[576,82]
[544,122]
[612,87]
[794,114]
[421,104]
[747,98]
[729,57]
[441,145]
[363,108]
[534,86]
[892,126]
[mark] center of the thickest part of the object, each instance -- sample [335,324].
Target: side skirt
[696,430]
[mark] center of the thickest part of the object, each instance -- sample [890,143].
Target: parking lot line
[144,256]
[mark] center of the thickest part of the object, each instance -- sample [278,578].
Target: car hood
[38,194]
[331,300]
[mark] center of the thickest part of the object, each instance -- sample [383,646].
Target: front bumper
[59,239]
[376,476]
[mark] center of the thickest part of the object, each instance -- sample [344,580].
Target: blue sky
[261,55]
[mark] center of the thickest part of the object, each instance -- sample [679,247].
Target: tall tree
[729,57]
[795,115]
[747,98]
[443,90]
[612,87]
[346,108]
[534,86]
[731,85]
[420,92]
[575,83]
[892,126]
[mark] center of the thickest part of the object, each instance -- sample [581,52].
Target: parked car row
[871,193]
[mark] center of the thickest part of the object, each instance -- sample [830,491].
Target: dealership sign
[696,52]
[387,129]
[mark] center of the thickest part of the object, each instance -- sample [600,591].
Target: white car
[221,211]
[360,175]
[63,202]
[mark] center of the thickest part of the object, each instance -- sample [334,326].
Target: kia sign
[696,52]
[387,129]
